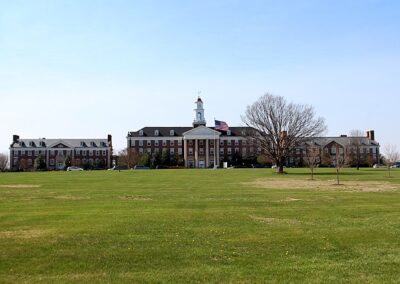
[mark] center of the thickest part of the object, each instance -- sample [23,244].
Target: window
[228,132]
[156,143]
[212,151]
[236,142]
[91,161]
[221,142]
[156,133]
[179,142]
[243,151]
[29,162]
[172,143]
[164,143]
[212,142]
[221,151]
[97,152]
[22,152]
[236,150]
[201,151]
[82,143]
[78,152]
[92,144]
[51,162]
[171,132]
[171,151]
[229,151]
[15,153]
[90,152]
[157,150]
[148,143]
[104,152]
[140,150]
[229,142]
[29,153]
[133,142]
[201,142]
[190,142]
[141,133]
[31,143]
[149,150]
[180,151]
[333,150]
[140,143]
[190,151]
[83,152]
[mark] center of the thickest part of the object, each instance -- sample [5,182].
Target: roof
[178,131]
[73,143]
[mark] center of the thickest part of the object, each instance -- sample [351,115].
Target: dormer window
[228,132]
[92,144]
[82,143]
[171,132]
[141,133]
[31,143]
[42,144]
[21,144]
[156,133]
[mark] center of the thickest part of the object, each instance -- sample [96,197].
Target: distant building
[87,153]
[199,146]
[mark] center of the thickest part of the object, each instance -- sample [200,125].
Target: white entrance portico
[197,144]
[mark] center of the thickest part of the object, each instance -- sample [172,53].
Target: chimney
[109,139]
[343,135]
[371,134]
[15,138]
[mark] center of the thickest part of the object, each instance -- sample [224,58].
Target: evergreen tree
[40,163]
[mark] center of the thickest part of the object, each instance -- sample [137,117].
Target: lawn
[213,226]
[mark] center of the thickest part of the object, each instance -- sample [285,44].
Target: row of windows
[229,151]
[190,142]
[63,152]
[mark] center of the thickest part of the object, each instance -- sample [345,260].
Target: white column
[196,155]
[185,152]
[217,143]
[207,153]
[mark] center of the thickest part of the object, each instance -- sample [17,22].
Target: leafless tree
[313,158]
[3,162]
[356,136]
[391,155]
[128,157]
[279,126]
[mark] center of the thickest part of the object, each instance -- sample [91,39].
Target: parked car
[118,168]
[395,166]
[73,168]
[376,166]
[141,167]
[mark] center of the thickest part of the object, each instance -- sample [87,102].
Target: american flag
[221,125]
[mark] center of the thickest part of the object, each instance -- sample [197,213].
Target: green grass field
[213,226]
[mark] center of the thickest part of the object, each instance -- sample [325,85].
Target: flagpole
[215,147]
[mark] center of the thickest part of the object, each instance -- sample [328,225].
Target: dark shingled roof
[178,131]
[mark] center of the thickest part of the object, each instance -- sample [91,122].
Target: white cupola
[199,118]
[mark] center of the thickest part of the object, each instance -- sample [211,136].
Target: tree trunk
[312,173]
[280,169]
[337,175]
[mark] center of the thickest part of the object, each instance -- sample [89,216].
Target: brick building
[88,153]
[199,146]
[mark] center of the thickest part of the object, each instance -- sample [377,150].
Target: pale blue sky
[89,68]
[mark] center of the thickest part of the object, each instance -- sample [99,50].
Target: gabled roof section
[162,131]
[201,131]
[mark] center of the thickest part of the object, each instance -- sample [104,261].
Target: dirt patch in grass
[70,197]
[24,234]
[134,198]
[268,220]
[20,185]
[362,186]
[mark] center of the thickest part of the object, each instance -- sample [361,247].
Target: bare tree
[3,162]
[313,158]
[391,155]
[356,136]
[128,157]
[279,126]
